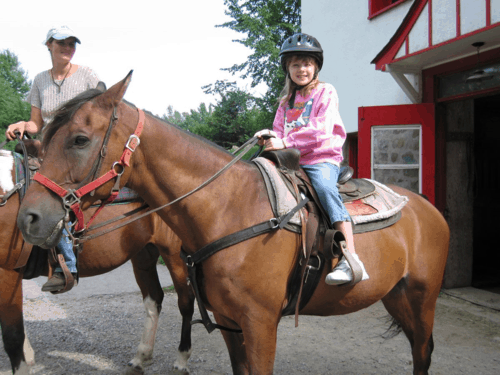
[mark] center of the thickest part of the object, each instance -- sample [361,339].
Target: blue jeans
[66,249]
[324,178]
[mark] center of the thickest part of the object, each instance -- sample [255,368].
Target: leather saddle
[318,229]
[287,162]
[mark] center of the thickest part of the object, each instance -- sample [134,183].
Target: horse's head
[76,151]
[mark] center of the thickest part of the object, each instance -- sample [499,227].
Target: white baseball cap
[60,33]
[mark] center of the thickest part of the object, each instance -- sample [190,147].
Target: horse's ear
[112,97]
[101,86]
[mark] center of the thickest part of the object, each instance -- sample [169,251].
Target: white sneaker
[342,272]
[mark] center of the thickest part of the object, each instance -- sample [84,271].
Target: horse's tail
[393,330]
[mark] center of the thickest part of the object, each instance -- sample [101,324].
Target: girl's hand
[273,144]
[18,126]
[263,135]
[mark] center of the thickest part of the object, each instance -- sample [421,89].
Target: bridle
[71,198]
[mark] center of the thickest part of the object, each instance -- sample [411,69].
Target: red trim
[372,5]
[386,55]
[458,18]
[430,23]
[440,184]
[423,114]
[353,153]
[407,47]
[446,42]
[488,12]
[473,94]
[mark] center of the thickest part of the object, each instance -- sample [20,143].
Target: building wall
[350,42]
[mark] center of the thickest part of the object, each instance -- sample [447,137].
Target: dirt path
[99,334]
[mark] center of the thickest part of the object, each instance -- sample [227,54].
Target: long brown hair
[290,86]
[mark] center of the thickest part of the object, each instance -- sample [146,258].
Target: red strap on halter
[133,140]
[50,184]
[130,147]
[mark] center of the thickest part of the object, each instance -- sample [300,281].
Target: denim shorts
[324,177]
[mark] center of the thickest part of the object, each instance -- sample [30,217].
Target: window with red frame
[377,7]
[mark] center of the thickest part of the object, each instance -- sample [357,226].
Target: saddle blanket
[283,201]
[381,204]
[125,194]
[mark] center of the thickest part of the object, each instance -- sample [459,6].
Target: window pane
[455,84]
[396,146]
[405,178]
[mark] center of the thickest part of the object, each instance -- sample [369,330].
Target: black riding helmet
[303,44]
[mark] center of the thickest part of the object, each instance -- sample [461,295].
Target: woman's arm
[33,126]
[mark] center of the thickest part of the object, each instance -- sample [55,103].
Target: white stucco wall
[350,42]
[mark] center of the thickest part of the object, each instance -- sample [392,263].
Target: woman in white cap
[52,88]
[55,86]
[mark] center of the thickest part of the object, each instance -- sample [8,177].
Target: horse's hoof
[30,362]
[180,364]
[133,370]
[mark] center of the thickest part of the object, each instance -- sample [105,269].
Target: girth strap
[208,250]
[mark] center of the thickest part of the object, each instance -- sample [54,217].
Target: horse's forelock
[65,113]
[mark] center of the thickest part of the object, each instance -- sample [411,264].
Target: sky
[173,47]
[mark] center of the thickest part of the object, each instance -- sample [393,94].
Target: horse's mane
[65,112]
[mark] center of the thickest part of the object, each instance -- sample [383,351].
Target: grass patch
[169,289]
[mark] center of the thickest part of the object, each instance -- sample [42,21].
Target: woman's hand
[13,128]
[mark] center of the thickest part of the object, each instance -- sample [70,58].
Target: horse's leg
[144,264]
[252,352]
[260,344]
[236,347]
[413,307]
[11,319]
[185,299]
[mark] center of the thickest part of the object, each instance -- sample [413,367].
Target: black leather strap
[267,226]
[222,243]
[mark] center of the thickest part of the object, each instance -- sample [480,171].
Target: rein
[244,149]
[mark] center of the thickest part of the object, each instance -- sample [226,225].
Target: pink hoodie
[313,126]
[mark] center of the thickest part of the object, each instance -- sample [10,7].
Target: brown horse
[141,242]
[244,285]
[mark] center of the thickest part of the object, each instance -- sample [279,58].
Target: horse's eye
[81,140]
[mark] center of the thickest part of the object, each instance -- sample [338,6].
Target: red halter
[72,198]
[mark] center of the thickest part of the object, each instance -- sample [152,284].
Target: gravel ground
[99,333]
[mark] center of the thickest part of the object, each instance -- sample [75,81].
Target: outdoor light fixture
[478,75]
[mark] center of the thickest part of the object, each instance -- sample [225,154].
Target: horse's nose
[28,222]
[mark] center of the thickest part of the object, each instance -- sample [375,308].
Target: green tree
[13,74]
[237,114]
[14,86]
[265,24]
[231,122]
[172,116]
